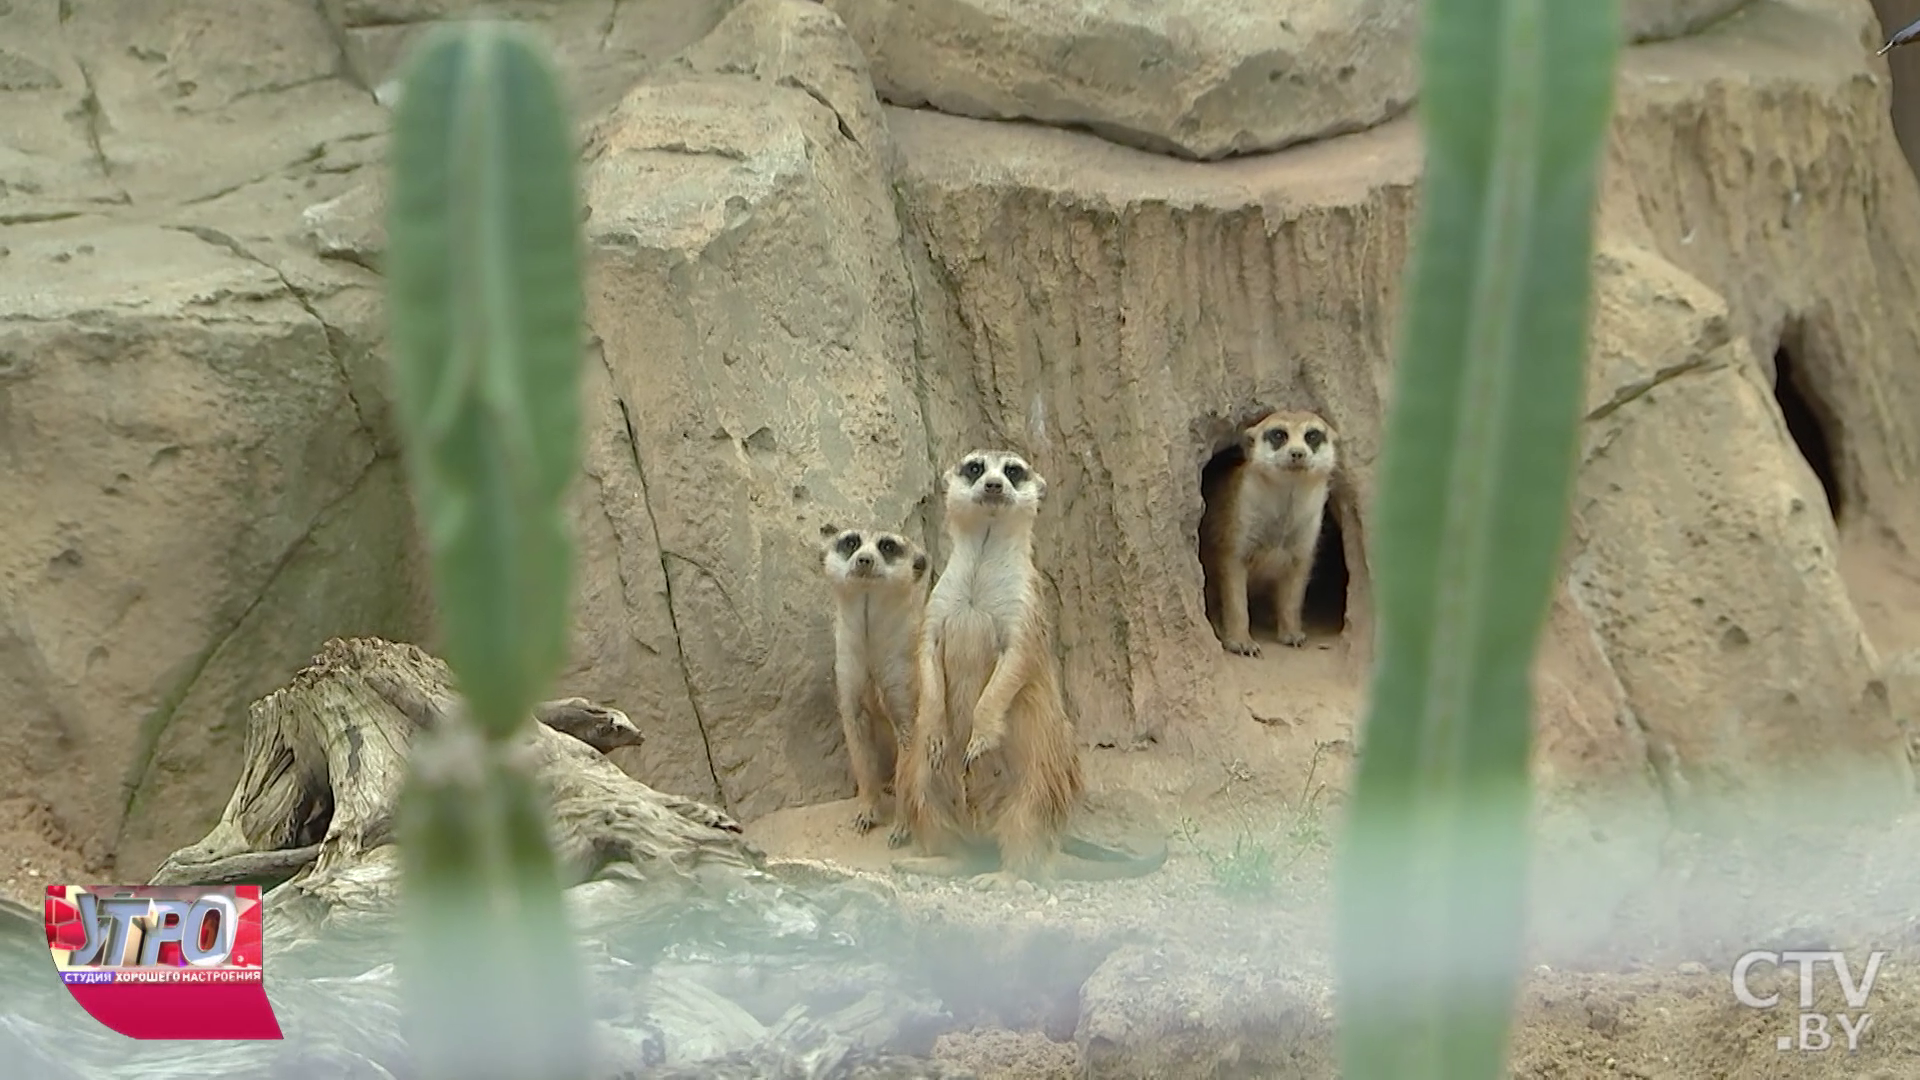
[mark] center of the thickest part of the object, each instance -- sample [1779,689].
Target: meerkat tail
[1082,848]
[940,865]
[1083,860]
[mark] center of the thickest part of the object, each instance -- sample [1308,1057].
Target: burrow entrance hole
[1325,611]
[1804,424]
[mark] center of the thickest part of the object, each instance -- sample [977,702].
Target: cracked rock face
[1194,80]
[599,45]
[1658,20]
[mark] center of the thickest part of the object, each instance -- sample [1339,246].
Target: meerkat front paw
[1292,639]
[866,819]
[978,746]
[1241,648]
[936,750]
[900,836]
[997,881]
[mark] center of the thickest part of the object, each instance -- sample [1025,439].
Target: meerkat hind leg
[1234,634]
[865,758]
[940,865]
[1289,598]
[904,796]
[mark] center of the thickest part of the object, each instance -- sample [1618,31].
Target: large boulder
[1706,557]
[194,503]
[756,379]
[199,488]
[1196,80]
[598,46]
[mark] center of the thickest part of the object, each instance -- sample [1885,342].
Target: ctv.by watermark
[1813,1030]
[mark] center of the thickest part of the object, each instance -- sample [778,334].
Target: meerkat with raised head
[994,764]
[878,580]
[1261,525]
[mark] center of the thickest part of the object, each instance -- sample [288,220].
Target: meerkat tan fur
[878,580]
[994,763]
[1261,526]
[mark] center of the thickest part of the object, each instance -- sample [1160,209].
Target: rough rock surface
[598,45]
[756,380]
[1902,676]
[199,485]
[1658,20]
[1196,80]
[1685,453]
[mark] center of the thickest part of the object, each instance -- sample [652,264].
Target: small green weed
[1251,869]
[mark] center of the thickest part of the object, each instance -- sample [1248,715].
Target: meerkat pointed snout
[1291,441]
[994,483]
[853,555]
[1261,525]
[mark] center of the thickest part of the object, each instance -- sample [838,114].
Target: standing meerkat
[1261,525]
[879,601]
[989,689]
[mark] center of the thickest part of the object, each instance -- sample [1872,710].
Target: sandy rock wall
[804,304]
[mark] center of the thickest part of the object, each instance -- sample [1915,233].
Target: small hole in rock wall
[1803,423]
[1325,611]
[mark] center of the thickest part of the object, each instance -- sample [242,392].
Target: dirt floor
[1235,925]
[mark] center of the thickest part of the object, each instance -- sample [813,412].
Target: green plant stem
[1476,477]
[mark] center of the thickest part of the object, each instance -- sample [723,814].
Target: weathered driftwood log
[327,754]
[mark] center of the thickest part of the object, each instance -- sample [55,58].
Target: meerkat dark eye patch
[1277,438]
[889,548]
[1014,472]
[848,544]
[1315,437]
[973,470]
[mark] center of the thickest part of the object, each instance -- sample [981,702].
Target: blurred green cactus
[485,306]
[1475,483]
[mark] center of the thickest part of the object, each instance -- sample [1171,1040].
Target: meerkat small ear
[919,567]
[1039,486]
[828,531]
